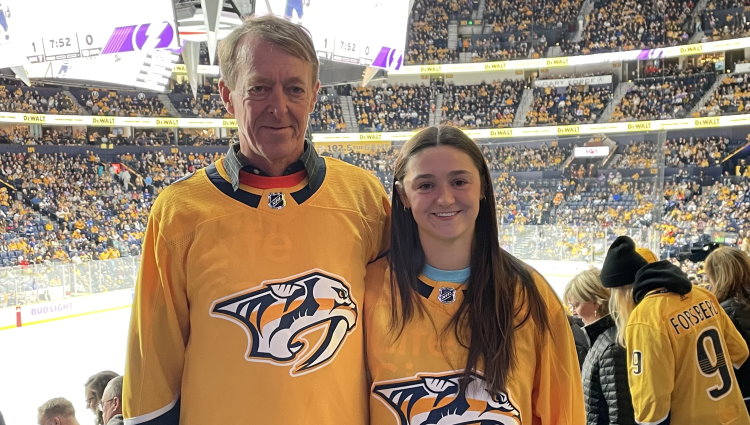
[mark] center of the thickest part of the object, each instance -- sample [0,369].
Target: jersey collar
[308,161]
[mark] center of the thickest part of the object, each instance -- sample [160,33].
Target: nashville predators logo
[435,400]
[299,321]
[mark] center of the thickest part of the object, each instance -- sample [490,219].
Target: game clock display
[64,46]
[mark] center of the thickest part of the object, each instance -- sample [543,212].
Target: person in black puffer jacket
[728,270]
[606,393]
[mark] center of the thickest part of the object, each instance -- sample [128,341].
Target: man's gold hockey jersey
[414,375]
[249,303]
[682,350]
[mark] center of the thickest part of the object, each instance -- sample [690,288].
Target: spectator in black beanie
[681,345]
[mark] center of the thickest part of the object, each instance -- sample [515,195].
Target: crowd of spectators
[120,103]
[517,29]
[483,105]
[662,98]
[393,107]
[78,207]
[637,154]
[695,151]
[723,20]
[499,47]
[568,105]
[615,25]
[327,115]
[504,158]
[37,100]
[731,97]
[513,30]
[427,36]
[692,211]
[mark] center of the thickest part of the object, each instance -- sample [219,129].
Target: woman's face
[92,401]
[442,187]
[588,311]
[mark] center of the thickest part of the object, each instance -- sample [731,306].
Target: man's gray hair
[292,38]
[114,388]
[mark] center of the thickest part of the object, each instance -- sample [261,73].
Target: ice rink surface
[54,359]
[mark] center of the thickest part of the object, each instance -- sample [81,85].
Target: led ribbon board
[363,32]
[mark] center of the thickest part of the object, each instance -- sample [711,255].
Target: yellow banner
[707,122]
[34,118]
[167,122]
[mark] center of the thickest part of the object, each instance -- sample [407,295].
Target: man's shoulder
[185,195]
[341,169]
[116,420]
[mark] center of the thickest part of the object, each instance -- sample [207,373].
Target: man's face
[272,98]
[110,407]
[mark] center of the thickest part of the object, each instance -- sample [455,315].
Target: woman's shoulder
[736,309]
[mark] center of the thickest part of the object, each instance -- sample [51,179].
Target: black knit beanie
[621,263]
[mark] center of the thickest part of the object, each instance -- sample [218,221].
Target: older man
[248,306]
[111,403]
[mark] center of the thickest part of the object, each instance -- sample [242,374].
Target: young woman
[728,270]
[605,370]
[458,330]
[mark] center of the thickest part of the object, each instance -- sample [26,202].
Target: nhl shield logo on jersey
[446,295]
[276,200]
[299,322]
[435,399]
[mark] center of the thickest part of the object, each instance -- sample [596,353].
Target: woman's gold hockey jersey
[682,351]
[414,377]
[249,302]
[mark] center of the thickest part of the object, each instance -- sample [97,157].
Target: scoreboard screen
[80,39]
[362,32]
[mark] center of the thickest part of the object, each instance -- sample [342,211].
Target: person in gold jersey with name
[459,331]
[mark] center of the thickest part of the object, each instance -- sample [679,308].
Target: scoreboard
[61,38]
[362,32]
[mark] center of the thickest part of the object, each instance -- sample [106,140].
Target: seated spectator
[111,404]
[57,411]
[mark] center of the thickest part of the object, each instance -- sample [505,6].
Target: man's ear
[226,96]
[314,100]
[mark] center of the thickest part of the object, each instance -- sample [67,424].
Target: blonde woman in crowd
[605,373]
[728,271]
